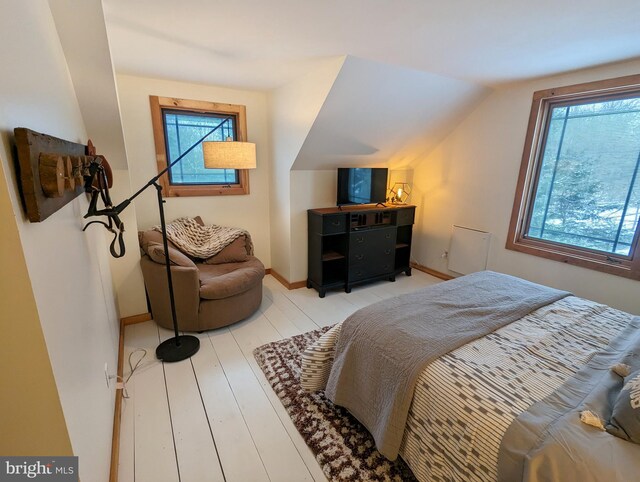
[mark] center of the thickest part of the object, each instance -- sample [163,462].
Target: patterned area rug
[343,447]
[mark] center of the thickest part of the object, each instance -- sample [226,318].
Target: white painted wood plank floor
[215,417]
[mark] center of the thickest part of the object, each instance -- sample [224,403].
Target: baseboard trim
[283,281]
[132,320]
[298,284]
[117,412]
[432,272]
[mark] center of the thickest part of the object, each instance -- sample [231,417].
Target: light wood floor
[214,417]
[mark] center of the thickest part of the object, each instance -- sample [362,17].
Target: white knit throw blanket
[203,241]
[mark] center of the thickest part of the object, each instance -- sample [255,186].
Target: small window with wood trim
[578,194]
[177,125]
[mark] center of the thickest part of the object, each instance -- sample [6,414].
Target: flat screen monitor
[362,185]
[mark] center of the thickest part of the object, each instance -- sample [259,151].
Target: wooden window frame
[197,106]
[543,101]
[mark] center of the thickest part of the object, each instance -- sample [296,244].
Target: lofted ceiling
[413,69]
[86,49]
[375,114]
[261,45]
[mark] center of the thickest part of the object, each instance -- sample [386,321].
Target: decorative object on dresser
[400,181]
[179,347]
[355,245]
[400,192]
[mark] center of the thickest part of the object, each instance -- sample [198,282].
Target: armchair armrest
[186,289]
[155,251]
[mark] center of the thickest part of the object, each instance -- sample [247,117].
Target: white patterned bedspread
[464,401]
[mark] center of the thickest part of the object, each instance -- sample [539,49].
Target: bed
[467,402]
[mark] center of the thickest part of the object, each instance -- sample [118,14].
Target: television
[362,185]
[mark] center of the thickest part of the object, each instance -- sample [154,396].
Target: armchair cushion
[151,236]
[156,253]
[224,280]
[236,252]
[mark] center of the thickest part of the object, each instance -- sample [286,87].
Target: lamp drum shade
[229,155]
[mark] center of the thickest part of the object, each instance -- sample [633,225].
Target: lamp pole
[179,347]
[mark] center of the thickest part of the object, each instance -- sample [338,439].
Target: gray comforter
[548,442]
[383,348]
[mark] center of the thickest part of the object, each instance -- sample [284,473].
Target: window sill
[186,191]
[172,190]
[584,258]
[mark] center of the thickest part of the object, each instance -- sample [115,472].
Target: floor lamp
[217,155]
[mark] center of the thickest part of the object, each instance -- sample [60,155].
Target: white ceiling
[263,44]
[377,115]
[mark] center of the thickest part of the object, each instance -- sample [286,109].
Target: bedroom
[465,157]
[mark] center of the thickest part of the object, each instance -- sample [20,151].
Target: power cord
[134,368]
[121,382]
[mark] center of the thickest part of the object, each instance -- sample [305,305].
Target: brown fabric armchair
[208,293]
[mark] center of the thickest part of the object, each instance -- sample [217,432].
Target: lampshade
[229,155]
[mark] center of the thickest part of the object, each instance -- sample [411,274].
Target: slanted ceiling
[378,114]
[83,36]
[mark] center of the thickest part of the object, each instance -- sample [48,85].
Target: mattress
[464,401]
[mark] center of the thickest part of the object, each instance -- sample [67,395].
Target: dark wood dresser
[358,244]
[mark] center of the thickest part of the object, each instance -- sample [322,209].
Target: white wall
[293,109]
[69,269]
[250,212]
[86,50]
[309,189]
[470,180]
[29,390]
[125,271]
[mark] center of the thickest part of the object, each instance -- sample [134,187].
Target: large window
[578,196]
[177,125]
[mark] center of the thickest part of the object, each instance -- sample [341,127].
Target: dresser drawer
[372,242]
[371,252]
[361,271]
[334,224]
[358,273]
[405,216]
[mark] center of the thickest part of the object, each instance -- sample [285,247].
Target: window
[578,194]
[177,125]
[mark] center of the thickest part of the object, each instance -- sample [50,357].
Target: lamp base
[178,348]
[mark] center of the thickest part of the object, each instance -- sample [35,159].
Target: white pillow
[317,360]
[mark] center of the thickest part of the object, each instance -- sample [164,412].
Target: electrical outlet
[106,373]
[444,255]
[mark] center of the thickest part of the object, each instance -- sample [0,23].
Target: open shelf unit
[355,245]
